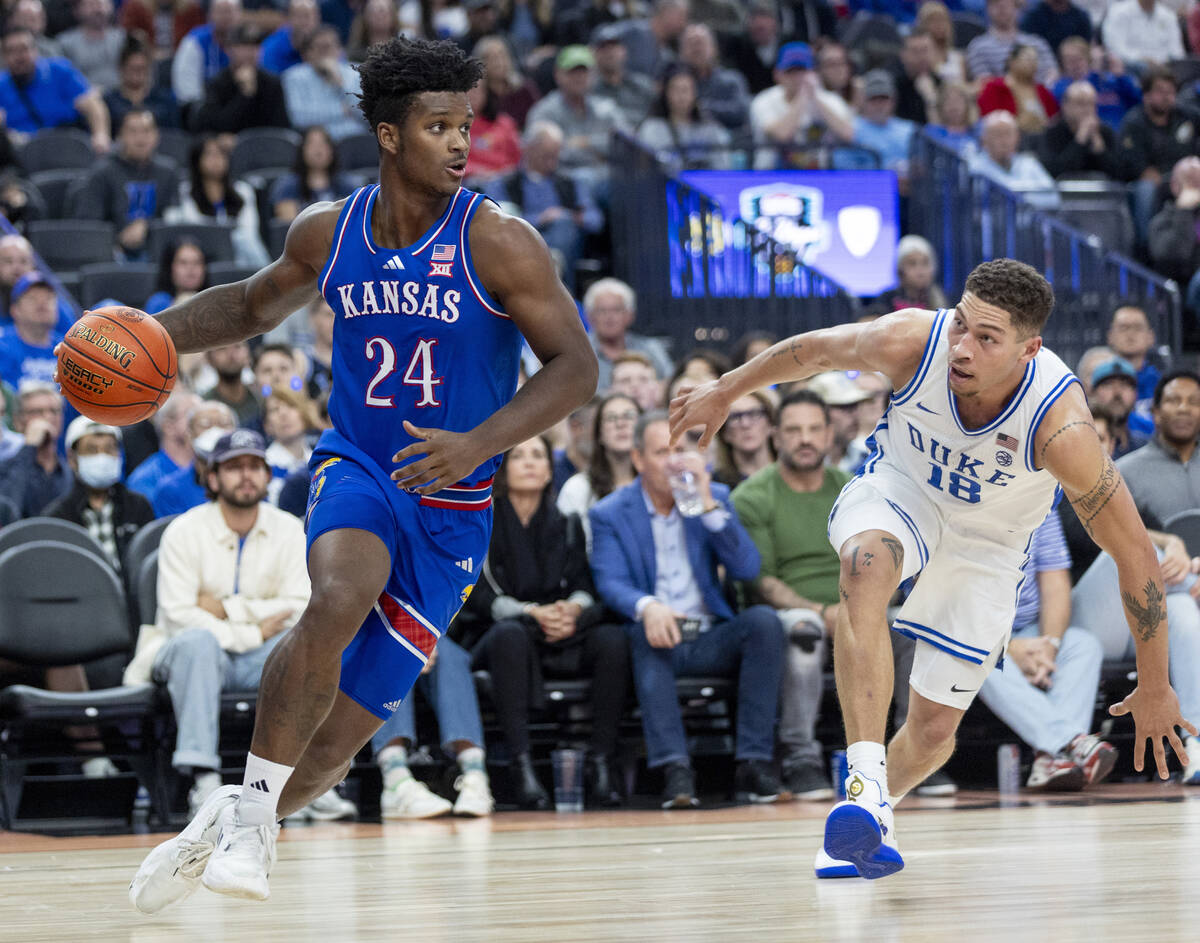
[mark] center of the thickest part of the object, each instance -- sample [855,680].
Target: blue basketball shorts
[437,545]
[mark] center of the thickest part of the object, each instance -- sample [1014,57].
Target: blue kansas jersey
[417,336]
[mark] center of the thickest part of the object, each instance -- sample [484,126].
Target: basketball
[117,365]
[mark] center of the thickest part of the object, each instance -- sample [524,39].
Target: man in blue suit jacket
[659,570]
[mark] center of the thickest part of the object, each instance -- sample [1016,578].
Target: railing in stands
[711,282]
[970,219]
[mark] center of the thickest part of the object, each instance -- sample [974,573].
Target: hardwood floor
[1120,864]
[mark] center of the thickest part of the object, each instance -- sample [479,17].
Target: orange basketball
[117,365]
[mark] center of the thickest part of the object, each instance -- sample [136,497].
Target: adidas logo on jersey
[467,564]
[392,705]
[394,263]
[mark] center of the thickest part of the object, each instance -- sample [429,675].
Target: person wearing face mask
[99,501]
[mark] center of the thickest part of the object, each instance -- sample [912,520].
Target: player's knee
[935,728]
[866,566]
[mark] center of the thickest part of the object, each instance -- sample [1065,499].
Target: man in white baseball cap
[98,500]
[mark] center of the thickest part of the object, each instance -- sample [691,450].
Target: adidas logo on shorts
[467,564]
[392,705]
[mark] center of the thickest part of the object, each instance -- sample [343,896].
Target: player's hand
[705,406]
[446,459]
[662,625]
[1155,716]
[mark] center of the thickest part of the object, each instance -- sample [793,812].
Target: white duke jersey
[983,482]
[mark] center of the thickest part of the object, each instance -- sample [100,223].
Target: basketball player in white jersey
[985,424]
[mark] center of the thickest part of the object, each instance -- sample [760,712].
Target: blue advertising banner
[843,223]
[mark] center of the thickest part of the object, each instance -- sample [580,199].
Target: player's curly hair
[1017,288]
[396,71]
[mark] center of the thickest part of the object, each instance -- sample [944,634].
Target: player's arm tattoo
[867,557]
[1148,617]
[1057,433]
[792,350]
[226,314]
[896,549]
[1089,505]
[845,595]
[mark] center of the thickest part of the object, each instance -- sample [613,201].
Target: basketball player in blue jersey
[984,426]
[433,287]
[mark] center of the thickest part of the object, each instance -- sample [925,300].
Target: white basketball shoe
[171,872]
[242,860]
[861,831]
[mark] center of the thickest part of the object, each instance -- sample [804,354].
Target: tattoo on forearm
[1147,617]
[792,350]
[1076,422]
[212,318]
[845,595]
[896,549]
[1089,505]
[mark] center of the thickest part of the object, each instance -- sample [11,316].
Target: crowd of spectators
[594,572]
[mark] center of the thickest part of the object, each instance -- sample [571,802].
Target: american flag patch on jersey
[442,253]
[1007,441]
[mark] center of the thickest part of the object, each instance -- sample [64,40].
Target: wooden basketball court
[1122,863]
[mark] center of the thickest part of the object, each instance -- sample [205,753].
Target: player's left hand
[446,459]
[706,405]
[1155,716]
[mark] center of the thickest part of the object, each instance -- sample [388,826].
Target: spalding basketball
[117,365]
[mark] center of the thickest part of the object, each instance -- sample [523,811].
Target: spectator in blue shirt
[16,259]
[175,450]
[281,50]
[878,128]
[38,93]
[1116,91]
[202,53]
[184,489]
[1131,338]
[560,208]
[27,348]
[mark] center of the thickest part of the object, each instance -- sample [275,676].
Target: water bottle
[687,493]
[1008,769]
[141,810]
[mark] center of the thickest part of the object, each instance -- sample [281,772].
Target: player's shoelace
[192,857]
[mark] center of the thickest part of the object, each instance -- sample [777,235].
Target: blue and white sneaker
[827,867]
[861,830]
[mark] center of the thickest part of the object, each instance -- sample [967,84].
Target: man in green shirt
[785,507]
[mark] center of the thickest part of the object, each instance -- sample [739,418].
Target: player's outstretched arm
[891,345]
[1068,447]
[228,313]
[515,266]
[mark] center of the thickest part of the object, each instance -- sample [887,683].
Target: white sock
[393,763]
[869,759]
[261,788]
[471,758]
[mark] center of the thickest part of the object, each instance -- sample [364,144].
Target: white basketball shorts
[961,609]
